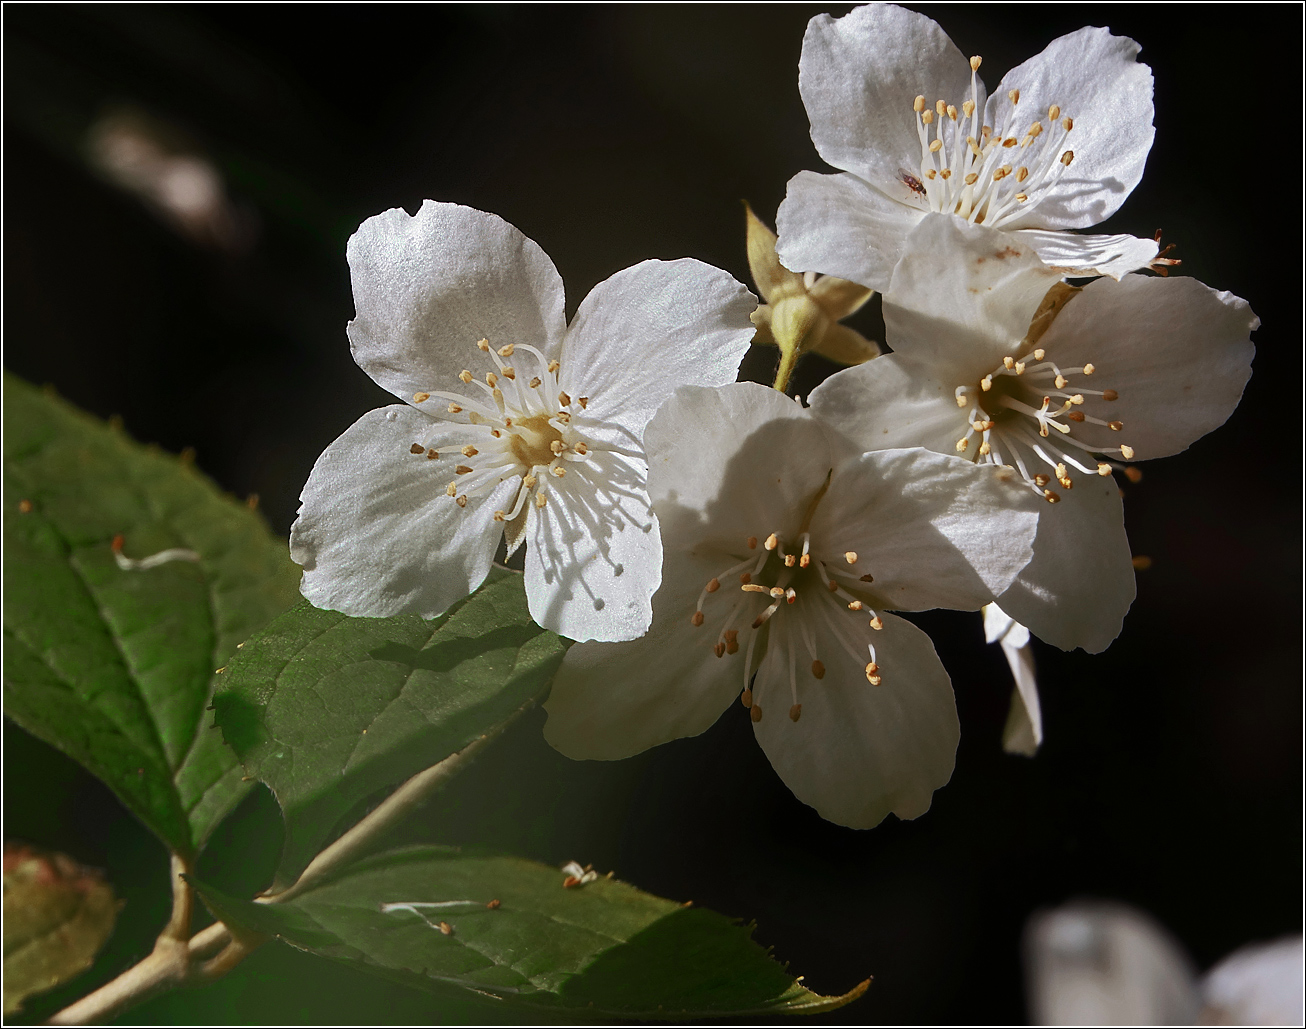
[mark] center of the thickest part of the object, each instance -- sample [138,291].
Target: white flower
[894,105]
[404,511]
[1060,384]
[1099,963]
[783,551]
[1023,732]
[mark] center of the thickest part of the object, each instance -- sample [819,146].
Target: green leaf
[603,947]
[328,710]
[57,916]
[115,668]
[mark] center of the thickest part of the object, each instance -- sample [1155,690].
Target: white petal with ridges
[376,534]
[859,752]
[840,225]
[427,287]
[1097,81]
[651,328]
[1077,256]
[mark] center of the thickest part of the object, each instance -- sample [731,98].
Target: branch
[391,811]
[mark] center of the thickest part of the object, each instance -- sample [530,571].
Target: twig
[391,811]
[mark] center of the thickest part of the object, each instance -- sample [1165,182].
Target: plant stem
[393,810]
[788,359]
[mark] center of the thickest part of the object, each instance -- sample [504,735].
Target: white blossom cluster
[705,541]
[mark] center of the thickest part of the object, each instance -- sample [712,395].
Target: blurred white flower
[1106,964]
[783,553]
[995,359]
[403,513]
[896,107]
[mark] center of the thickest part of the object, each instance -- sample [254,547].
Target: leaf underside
[600,948]
[116,667]
[329,710]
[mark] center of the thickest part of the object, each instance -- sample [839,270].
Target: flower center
[1030,408]
[982,174]
[518,426]
[789,587]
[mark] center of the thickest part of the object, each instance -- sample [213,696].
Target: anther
[539,500]
[465,376]
[752,542]
[968,108]
[928,119]
[451,490]
[856,605]
[581,449]
[584,402]
[952,112]
[962,444]
[818,670]
[850,556]
[1103,468]
[1110,394]
[940,107]
[506,351]
[470,451]
[1067,157]
[1020,367]
[1013,95]
[1126,452]
[936,145]
[1067,123]
[417,448]
[431,455]
[872,673]
[461,501]
[1054,112]
[752,587]
[986,383]
[1008,363]
[732,641]
[530,480]
[791,595]
[772,542]
[1075,416]
[535,382]
[499,516]
[558,447]
[805,560]
[745,578]
[1022,173]
[553,367]
[868,577]
[462,469]
[509,372]
[1115,426]
[975,63]
[776,592]
[791,560]
[1061,381]
[795,712]
[564,399]
[713,585]
[1010,141]
[719,649]
[1051,497]
[918,104]
[1041,480]
[755,713]
[876,623]
[483,345]
[1089,369]
[421,398]
[454,409]
[697,619]
[971,179]
[558,471]
[746,698]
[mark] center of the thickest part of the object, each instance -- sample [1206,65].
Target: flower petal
[1095,78]
[839,225]
[1177,352]
[1023,732]
[1081,256]
[858,751]
[612,700]
[858,76]
[651,328]
[376,534]
[1259,984]
[595,557]
[901,511]
[890,402]
[427,287]
[963,296]
[1077,589]
[711,457]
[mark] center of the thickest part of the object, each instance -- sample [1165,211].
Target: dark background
[1171,773]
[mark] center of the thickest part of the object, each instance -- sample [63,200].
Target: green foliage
[508,928]
[330,710]
[115,667]
[57,915]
